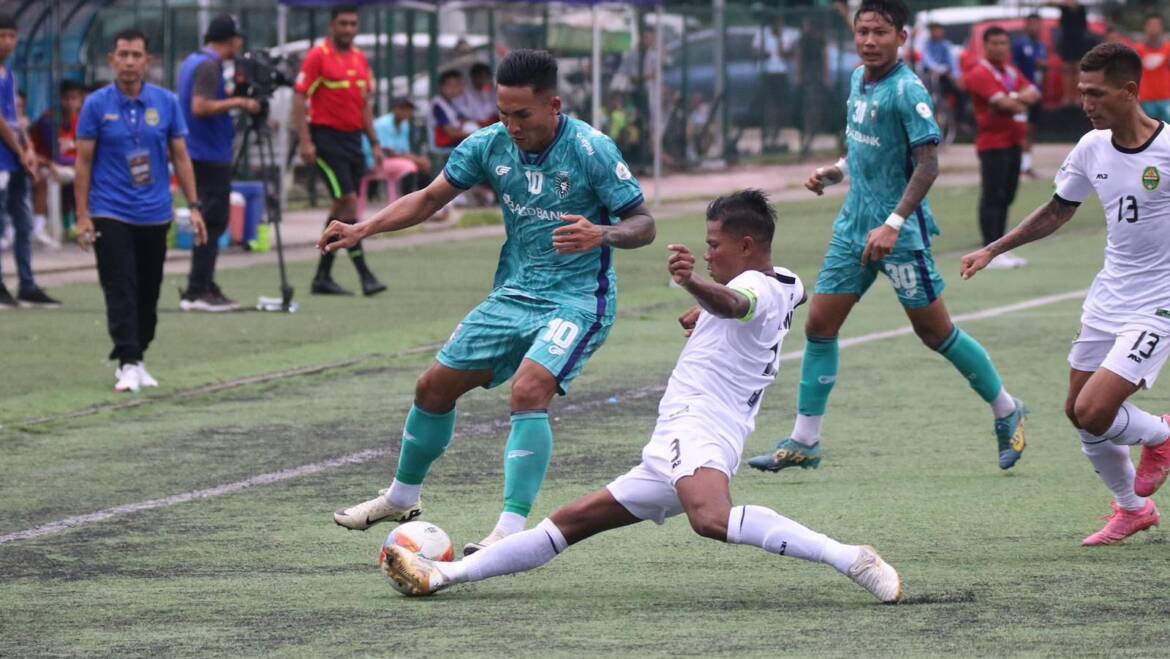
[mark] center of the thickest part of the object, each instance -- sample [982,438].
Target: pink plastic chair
[393,170]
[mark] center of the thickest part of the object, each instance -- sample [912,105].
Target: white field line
[361,457]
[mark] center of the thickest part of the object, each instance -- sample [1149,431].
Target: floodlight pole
[596,105]
[657,118]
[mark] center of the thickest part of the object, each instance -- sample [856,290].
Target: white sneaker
[368,513]
[495,536]
[145,379]
[409,573]
[1006,261]
[875,575]
[45,240]
[129,379]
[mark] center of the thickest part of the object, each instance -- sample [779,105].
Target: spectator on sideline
[450,125]
[478,100]
[1030,55]
[941,64]
[812,78]
[210,133]
[1074,43]
[1002,96]
[123,195]
[59,169]
[771,45]
[336,83]
[394,130]
[1154,92]
[18,165]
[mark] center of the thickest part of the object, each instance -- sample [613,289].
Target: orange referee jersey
[337,85]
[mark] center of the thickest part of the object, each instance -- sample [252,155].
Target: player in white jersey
[1125,326]
[709,409]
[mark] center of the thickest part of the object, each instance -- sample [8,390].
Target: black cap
[221,28]
[403,101]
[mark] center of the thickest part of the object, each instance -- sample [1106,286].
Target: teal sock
[526,458]
[424,439]
[973,362]
[818,374]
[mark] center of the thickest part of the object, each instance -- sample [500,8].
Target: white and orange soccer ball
[422,538]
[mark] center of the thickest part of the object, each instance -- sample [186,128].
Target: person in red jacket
[1002,96]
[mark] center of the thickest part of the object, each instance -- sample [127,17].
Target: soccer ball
[424,539]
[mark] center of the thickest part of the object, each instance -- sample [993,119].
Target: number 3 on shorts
[561,334]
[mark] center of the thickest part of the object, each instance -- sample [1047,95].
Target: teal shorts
[504,330]
[912,272]
[1159,110]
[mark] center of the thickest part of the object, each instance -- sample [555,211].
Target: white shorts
[678,448]
[1135,353]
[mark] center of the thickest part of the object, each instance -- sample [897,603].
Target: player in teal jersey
[885,226]
[568,199]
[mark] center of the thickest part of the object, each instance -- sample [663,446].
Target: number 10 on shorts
[561,334]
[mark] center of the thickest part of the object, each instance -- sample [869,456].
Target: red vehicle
[1050,33]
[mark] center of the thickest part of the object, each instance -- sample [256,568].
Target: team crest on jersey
[152,117]
[502,170]
[622,172]
[1151,178]
[561,184]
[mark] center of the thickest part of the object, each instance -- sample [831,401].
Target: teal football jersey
[885,121]
[580,173]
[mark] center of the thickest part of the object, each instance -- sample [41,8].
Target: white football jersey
[727,363]
[1134,285]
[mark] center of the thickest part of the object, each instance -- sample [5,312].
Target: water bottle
[184,236]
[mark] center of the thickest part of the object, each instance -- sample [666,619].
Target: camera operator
[206,107]
[336,81]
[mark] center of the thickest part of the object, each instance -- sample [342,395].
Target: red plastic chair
[393,170]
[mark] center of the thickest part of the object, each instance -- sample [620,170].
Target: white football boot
[368,513]
[495,536]
[875,575]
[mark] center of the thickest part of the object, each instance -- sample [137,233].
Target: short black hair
[342,9]
[528,68]
[1118,62]
[448,74]
[1033,17]
[7,21]
[131,34]
[71,85]
[745,213]
[479,68]
[994,31]
[894,11]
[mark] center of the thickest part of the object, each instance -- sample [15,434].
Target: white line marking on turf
[361,457]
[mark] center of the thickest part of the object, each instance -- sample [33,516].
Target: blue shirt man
[131,181]
[209,138]
[9,160]
[1029,53]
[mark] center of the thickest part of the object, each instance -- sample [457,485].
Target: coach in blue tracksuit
[124,206]
[210,133]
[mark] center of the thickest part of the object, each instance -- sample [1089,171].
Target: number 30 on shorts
[561,334]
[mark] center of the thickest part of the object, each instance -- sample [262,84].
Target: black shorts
[340,158]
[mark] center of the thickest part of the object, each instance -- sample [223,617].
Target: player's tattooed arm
[635,230]
[717,299]
[1042,222]
[581,235]
[925,172]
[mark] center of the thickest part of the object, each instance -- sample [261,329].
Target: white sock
[510,523]
[1111,462]
[765,528]
[401,495]
[1026,162]
[1003,405]
[807,429]
[1133,425]
[519,552]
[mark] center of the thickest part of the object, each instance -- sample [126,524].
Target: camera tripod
[256,130]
